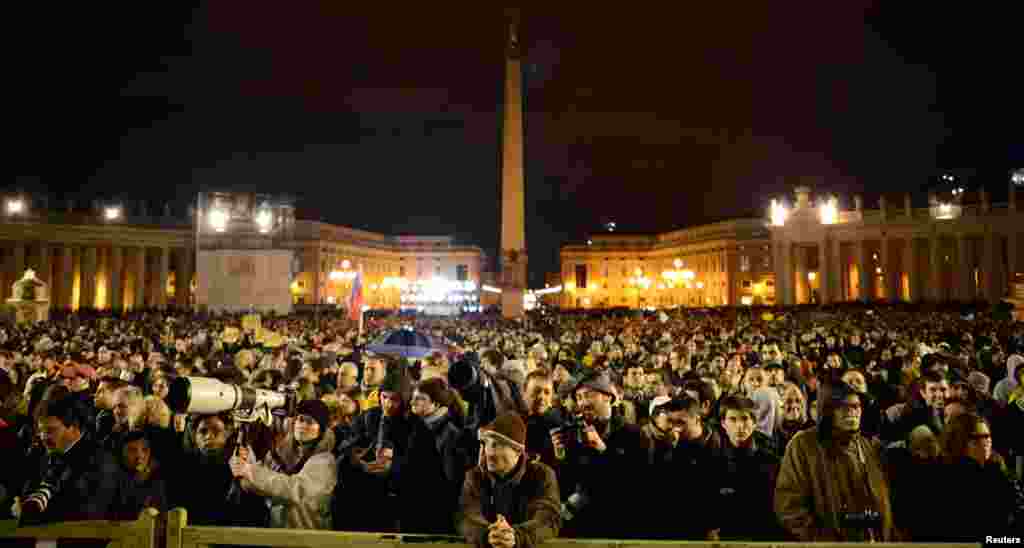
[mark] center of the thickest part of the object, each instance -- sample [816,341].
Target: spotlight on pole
[218,219]
[15,206]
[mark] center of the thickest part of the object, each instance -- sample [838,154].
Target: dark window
[462,272]
[581,275]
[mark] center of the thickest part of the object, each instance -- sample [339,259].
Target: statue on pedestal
[30,299]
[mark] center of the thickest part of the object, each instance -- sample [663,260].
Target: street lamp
[778,213]
[112,213]
[264,220]
[15,206]
[829,211]
[218,219]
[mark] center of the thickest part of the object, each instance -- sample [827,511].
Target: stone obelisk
[513,204]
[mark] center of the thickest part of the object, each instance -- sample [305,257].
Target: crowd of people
[843,423]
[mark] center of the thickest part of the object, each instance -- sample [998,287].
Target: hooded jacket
[529,500]
[299,486]
[821,478]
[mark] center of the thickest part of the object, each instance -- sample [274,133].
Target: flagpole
[363,299]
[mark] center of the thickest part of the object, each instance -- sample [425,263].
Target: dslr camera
[867,519]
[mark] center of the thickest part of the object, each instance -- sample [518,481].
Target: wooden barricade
[141,533]
[181,535]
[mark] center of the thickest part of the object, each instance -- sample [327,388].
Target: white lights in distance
[112,213]
[264,221]
[1018,177]
[15,206]
[828,211]
[778,213]
[218,219]
[958,191]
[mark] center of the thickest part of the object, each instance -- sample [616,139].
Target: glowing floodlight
[779,213]
[219,220]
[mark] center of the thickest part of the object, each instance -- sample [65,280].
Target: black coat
[82,482]
[986,502]
[609,479]
[205,486]
[744,493]
[428,479]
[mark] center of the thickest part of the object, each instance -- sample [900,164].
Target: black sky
[389,118]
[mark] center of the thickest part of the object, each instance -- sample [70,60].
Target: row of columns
[833,274]
[111,270]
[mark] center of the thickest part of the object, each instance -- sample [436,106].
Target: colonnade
[103,276]
[935,266]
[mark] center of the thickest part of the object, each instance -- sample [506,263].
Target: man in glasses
[832,486]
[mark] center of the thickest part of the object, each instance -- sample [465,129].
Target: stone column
[115,289]
[786,283]
[17,261]
[824,272]
[836,271]
[160,291]
[1011,256]
[87,280]
[140,278]
[801,289]
[183,278]
[910,266]
[890,275]
[935,266]
[990,268]
[864,278]
[963,281]
[42,268]
[67,275]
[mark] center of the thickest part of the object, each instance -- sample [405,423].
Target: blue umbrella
[405,343]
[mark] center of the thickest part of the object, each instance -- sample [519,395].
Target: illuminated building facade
[124,256]
[962,247]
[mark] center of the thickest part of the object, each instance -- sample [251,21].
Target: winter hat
[658,402]
[600,383]
[515,369]
[316,409]
[979,381]
[507,427]
[437,389]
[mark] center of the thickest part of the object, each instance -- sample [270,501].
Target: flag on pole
[355,300]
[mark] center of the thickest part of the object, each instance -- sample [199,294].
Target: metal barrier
[141,533]
[182,535]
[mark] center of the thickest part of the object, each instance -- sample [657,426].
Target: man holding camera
[80,479]
[605,460]
[832,486]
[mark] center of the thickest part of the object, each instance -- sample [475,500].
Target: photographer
[80,478]
[299,475]
[203,481]
[488,391]
[832,485]
[605,464]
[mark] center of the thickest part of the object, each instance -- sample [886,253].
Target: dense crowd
[849,423]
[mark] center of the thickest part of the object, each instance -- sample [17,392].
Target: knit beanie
[316,409]
[979,381]
[507,427]
[600,383]
[437,389]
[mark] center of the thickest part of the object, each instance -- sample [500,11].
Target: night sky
[389,118]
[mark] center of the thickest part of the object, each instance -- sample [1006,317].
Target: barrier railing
[181,535]
[141,533]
